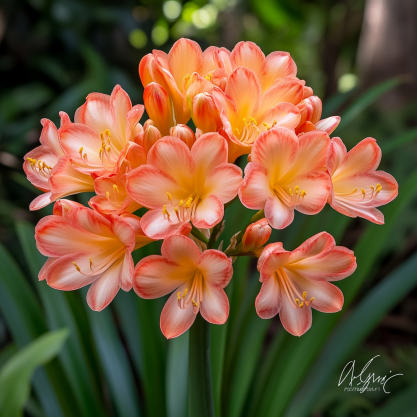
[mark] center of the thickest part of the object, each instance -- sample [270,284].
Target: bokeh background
[359,57]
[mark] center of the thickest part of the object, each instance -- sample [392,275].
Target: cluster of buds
[241,103]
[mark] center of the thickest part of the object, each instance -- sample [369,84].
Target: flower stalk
[200,389]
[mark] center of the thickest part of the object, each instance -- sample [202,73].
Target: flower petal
[329,125]
[184,58]
[182,250]
[223,181]
[174,320]
[103,290]
[336,155]
[209,212]
[278,214]
[62,275]
[172,156]
[327,297]
[268,301]
[255,189]
[40,201]
[216,268]
[120,105]
[244,89]
[365,156]
[278,65]
[317,185]
[148,185]
[295,320]
[215,305]
[156,276]
[49,137]
[156,226]
[275,247]
[275,150]
[284,90]
[316,246]
[209,151]
[248,55]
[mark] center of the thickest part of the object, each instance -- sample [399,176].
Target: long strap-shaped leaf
[59,315]
[350,333]
[23,316]
[16,373]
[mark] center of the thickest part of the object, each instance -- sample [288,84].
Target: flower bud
[205,114]
[150,136]
[256,235]
[159,107]
[310,110]
[184,133]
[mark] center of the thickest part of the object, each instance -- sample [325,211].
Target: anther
[169,196]
[107,195]
[116,188]
[76,266]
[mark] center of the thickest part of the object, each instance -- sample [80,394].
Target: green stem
[196,233]
[200,389]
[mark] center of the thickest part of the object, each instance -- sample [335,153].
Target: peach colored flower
[50,170]
[310,111]
[180,185]
[112,197]
[287,173]
[255,236]
[358,188]
[197,279]
[174,73]
[294,282]
[246,112]
[85,248]
[248,55]
[103,127]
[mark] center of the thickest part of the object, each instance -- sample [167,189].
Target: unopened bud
[150,136]
[184,133]
[256,235]
[205,114]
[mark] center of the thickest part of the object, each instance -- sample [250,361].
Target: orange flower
[103,127]
[310,111]
[357,187]
[112,197]
[287,173]
[179,185]
[85,248]
[50,170]
[196,278]
[295,282]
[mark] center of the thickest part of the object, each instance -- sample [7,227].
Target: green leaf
[400,140]
[16,374]
[402,404]
[114,362]
[367,98]
[59,314]
[350,333]
[23,316]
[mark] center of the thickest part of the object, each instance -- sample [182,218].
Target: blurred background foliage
[359,58]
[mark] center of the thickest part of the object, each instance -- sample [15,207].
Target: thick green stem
[199,235]
[200,389]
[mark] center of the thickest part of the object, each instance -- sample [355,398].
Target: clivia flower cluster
[241,103]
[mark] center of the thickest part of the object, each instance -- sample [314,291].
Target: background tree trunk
[389,34]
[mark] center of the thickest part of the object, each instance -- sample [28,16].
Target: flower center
[116,196]
[249,132]
[290,197]
[195,296]
[365,195]
[181,212]
[40,167]
[291,291]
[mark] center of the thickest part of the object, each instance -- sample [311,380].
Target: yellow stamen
[266,125]
[116,188]
[363,192]
[169,196]
[107,195]
[76,266]
[237,131]
[179,295]
[188,203]
[107,132]
[181,203]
